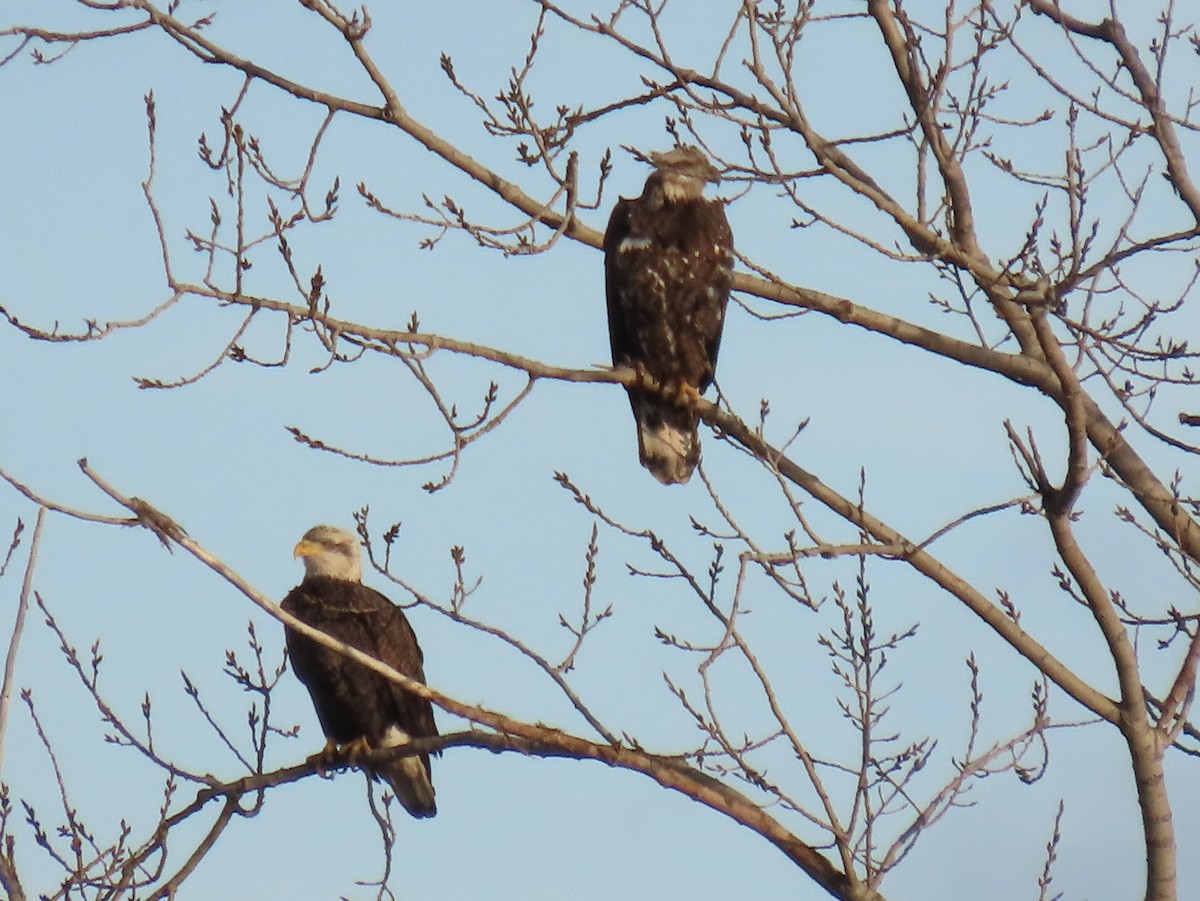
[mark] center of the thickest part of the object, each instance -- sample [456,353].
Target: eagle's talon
[325,757]
[352,751]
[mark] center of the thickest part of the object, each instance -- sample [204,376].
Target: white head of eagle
[356,706]
[668,266]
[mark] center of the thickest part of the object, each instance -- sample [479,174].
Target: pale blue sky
[76,241]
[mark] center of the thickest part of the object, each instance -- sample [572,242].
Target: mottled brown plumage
[353,703]
[668,265]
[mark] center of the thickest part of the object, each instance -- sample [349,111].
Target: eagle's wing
[395,643]
[616,279]
[717,272]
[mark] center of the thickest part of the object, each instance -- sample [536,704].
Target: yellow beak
[306,548]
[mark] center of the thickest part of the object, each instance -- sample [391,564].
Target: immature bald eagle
[668,265]
[353,703]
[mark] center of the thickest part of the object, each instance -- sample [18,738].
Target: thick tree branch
[1143,740]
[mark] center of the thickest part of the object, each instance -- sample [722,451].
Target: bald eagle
[668,266]
[354,704]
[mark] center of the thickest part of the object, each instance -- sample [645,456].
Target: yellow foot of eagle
[325,758]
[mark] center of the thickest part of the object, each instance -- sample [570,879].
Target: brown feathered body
[668,262]
[351,701]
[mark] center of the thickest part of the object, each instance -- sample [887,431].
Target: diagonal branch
[10,660]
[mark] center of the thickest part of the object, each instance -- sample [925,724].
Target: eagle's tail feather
[408,776]
[410,781]
[668,449]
